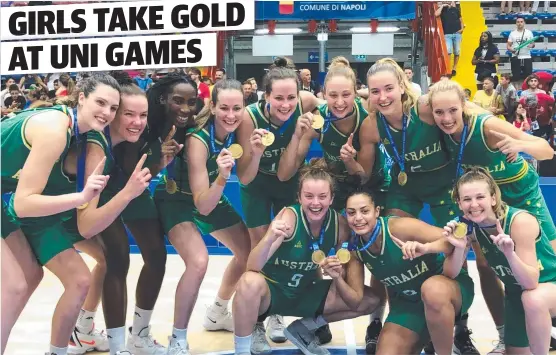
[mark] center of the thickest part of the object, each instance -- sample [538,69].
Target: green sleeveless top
[271,156]
[291,264]
[477,152]
[403,278]
[546,258]
[423,147]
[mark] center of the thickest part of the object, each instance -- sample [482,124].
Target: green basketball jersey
[546,258]
[100,139]
[423,147]
[291,264]
[403,278]
[477,152]
[16,148]
[283,134]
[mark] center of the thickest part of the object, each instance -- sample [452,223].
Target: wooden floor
[31,334]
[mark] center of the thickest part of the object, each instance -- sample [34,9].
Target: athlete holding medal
[283,276]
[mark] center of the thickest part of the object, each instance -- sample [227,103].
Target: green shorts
[432,188]
[526,194]
[264,195]
[142,207]
[9,224]
[295,302]
[411,314]
[179,207]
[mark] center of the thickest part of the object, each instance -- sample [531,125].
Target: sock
[141,320]
[242,344]
[58,351]
[179,334]
[378,313]
[314,323]
[500,330]
[220,303]
[85,322]
[116,339]
[461,324]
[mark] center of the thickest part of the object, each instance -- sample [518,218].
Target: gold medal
[83,206]
[343,255]
[171,187]
[402,178]
[318,257]
[460,231]
[268,139]
[318,122]
[236,150]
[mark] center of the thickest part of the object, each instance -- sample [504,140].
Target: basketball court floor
[31,334]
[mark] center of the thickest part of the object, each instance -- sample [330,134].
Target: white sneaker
[144,344]
[275,329]
[217,318]
[124,352]
[81,343]
[499,348]
[176,347]
[259,344]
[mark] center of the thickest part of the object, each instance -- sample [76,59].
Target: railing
[432,33]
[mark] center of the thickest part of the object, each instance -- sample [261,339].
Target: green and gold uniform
[332,141]
[518,181]
[403,280]
[266,193]
[428,166]
[514,317]
[296,287]
[179,207]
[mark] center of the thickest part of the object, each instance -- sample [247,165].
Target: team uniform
[430,172]
[179,207]
[403,280]
[296,287]
[518,181]
[332,140]
[266,193]
[514,316]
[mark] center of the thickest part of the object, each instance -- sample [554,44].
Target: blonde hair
[340,67]
[316,169]
[409,98]
[447,86]
[477,173]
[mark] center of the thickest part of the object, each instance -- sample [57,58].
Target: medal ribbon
[282,128]
[400,161]
[459,170]
[316,246]
[82,154]
[227,144]
[374,235]
[331,118]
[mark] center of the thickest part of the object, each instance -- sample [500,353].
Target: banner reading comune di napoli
[120,35]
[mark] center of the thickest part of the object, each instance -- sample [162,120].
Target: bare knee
[251,285]
[15,290]
[435,294]
[198,264]
[34,278]
[155,259]
[533,300]
[78,282]
[371,300]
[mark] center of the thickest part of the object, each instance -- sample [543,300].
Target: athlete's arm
[523,258]
[248,164]
[281,228]
[368,138]
[309,102]
[504,135]
[47,135]
[411,229]
[298,147]
[205,195]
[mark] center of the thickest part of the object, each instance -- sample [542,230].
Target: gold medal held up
[460,231]
[268,139]
[318,122]
[83,206]
[343,255]
[402,178]
[171,187]
[236,150]
[318,256]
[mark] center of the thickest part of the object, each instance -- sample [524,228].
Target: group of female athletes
[75,177]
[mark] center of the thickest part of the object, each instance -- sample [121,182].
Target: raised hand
[503,241]
[348,153]
[139,179]
[449,234]
[95,183]
[169,149]
[411,249]
[225,163]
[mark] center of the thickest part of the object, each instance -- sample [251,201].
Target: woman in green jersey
[495,145]
[518,249]
[403,253]
[196,205]
[37,143]
[265,132]
[338,133]
[283,274]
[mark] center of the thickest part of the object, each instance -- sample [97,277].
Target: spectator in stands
[467,94]
[66,85]
[409,73]
[508,93]
[453,26]
[203,91]
[219,75]
[143,81]
[207,80]
[539,109]
[521,61]
[487,99]
[536,6]
[35,99]
[309,85]
[4,94]
[532,83]
[255,88]
[485,58]
[521,121]
[16,101]
[503,7]
[545,81]
[249,97]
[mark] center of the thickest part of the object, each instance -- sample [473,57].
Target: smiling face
[385,93]
[131,118]
[340,96]
[315,198]
[99,108]
[283,99]
[180,104]
[361,213]
[476,201]
[447,109]
[228,110]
